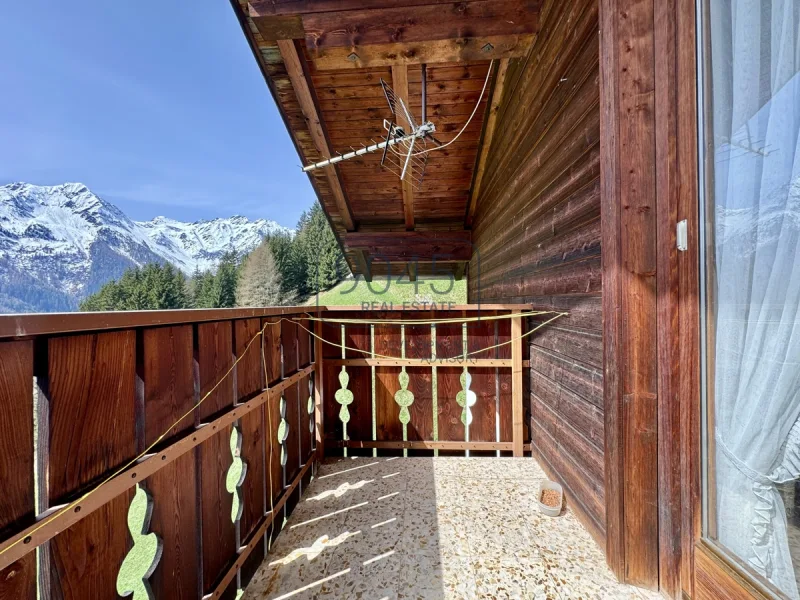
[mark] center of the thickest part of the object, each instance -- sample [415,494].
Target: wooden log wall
[94,400]
[374,413]
[536,231]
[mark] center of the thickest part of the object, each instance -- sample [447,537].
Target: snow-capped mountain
[60,243]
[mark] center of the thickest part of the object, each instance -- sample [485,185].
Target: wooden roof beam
[431,52]
[400,87]
[308,105]
[490,122]
[352,33]
[410,246]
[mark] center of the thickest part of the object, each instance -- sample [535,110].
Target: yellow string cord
[146,451]
[375,354]
[271,447]
[412,322]
[189,412]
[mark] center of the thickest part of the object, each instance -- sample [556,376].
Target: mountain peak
[61,243]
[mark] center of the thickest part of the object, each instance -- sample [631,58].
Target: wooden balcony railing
[96,409]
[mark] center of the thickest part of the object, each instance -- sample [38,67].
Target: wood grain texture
[16,433]
[400,87]
[304,419]
[250,369]
[306,101]
[517,414]
[85,559]
[293,439]
[175,519]
[715,579]
[167,377]
[538,239]
[92,428]
[289,347]
[214,359]
[253,454]
[304,341]
[17,461]
[218,531]
[420,24]
[630,351]
[272,350]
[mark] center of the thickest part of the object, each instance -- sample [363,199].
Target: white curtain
[755,59]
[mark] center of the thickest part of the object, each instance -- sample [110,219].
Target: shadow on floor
[433,528]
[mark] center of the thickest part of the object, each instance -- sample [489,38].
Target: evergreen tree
[291,264]
[259,279]
[206,291]
[152,287]
[227,276]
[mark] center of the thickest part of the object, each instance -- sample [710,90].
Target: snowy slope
[60,243]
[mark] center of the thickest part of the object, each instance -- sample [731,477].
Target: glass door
[750,77]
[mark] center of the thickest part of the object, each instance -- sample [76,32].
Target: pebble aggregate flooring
[432,528]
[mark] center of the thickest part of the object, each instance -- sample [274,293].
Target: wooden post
[319,408]
[629,173]
[516,385]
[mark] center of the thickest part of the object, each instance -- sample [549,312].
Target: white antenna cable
[402,143]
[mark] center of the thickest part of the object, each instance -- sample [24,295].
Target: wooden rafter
[465,49]
[459,271]
[400,86]
[305,97]
[488,134]
[363,262]
[347,25]
[406,246]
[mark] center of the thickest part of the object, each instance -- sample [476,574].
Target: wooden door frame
[651,291]
[649,66]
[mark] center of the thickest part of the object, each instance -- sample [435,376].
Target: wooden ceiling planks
[324,61]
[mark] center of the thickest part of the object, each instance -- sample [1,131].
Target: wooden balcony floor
[385,528]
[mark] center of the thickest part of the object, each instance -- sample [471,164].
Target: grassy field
[394,293]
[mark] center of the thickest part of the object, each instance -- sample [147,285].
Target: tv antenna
[405,149]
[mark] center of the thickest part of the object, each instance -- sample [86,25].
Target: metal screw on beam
[488,47]
[352,57]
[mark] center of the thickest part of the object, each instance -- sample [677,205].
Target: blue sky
[157,106]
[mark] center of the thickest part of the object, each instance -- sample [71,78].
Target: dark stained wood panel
[304,418]
[214,359]
[304,341]
[16,439]
[253,455]
[85,558]
[219,533]
[92,416]
[537,238]
[420,384]
[293,462]
[17,461]
[272,349]
[167,377]
[175,519]
[387,410]
[420,24]
[448,385]
[289,344]
[247,348]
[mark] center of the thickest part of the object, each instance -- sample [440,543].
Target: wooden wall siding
[17,461]
[652,308]
[537,236]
